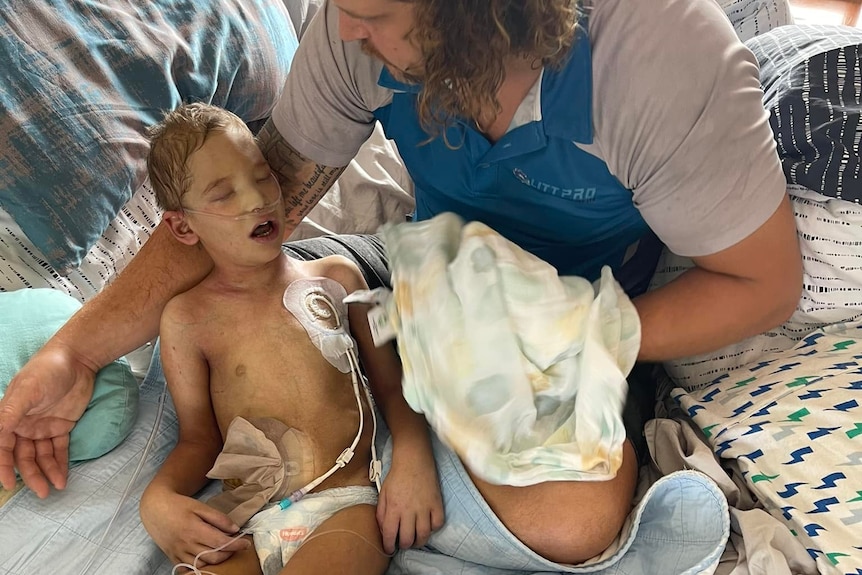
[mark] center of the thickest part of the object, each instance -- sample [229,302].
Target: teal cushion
[28,318]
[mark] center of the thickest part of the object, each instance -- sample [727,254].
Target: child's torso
[263,365]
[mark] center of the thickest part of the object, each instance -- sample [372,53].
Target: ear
[178,225]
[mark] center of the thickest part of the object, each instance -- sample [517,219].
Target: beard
[369,49]
[407,75]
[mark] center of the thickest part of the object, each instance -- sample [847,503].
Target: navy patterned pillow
[812,82]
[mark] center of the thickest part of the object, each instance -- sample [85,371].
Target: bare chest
[263,364]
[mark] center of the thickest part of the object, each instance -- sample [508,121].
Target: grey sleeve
[679,119]
[301,13]
[325,109]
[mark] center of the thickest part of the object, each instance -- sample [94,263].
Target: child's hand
[182,527]
[410,506]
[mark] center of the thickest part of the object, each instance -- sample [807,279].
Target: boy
[258,354]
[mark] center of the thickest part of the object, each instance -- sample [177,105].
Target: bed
[774,421]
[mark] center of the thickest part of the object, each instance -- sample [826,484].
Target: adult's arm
[49,394]
[679,119]
[728,296]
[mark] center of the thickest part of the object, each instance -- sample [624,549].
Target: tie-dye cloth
[522,372]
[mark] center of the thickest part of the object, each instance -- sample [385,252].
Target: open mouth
[264,230]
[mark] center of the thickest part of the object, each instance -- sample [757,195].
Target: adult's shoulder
[327,108]
[679,119]
[660,65]
[358,69]
[645,29]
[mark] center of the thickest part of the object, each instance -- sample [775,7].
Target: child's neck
[248,279]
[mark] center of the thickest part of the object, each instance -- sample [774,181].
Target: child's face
[234,201]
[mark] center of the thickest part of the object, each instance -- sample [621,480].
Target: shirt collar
[572,114]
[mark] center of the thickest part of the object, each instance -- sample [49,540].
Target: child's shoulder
[185,307]
[338,268]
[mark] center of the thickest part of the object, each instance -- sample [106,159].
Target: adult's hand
[38,411]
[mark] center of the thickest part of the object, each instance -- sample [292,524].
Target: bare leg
[566,521]
[329,549]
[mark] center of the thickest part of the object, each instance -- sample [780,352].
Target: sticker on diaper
[381,328]
[293,534]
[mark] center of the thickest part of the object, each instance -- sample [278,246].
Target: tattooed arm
[303,182]
[47,397]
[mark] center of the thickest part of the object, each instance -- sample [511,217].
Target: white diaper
[278,533]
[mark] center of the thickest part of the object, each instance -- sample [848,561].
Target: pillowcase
[82,81]
[830,239]
[28,318]
[811,83]
[753,17]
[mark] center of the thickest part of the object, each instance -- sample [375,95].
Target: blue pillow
[28,318]
[82,80]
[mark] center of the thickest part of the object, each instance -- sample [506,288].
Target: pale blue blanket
[60,534]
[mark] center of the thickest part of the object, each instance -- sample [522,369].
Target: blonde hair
[465,44]
[173,140]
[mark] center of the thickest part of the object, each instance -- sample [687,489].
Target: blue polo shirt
[534,186]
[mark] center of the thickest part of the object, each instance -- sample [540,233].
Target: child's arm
[179,524]
[410,505]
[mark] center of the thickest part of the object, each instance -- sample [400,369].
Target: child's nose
[254,199]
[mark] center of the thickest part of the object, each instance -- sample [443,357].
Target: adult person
[583,132]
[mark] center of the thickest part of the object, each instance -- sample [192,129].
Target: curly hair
[173,140]
[465,44]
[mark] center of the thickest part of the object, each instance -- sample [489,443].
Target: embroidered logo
[583,195]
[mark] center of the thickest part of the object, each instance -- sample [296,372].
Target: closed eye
[224,197]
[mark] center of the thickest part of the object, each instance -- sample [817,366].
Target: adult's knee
[566,521]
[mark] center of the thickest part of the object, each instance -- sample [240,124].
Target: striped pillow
[813,91]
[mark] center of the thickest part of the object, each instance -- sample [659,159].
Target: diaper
[520,371]
[278,533]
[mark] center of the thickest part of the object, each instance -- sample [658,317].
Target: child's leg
[348,543]
[243,562]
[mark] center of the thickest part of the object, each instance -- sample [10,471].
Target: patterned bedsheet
[790,427]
